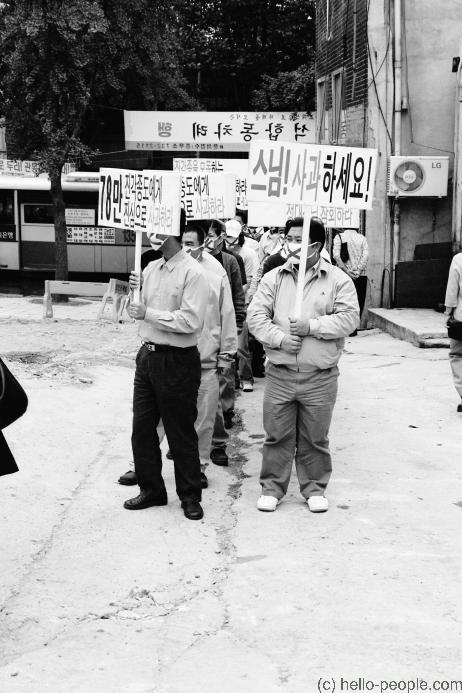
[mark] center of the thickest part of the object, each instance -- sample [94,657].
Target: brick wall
[337,48]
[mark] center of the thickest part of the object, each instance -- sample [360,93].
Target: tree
[247,52]
[60,58]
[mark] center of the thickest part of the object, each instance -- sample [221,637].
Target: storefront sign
[294,173]
[213,131]
[237,166]
[140,200]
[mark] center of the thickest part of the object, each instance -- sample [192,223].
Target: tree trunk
[59,213]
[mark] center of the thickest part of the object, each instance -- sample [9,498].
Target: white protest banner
[140,200]
[286,172]
[271,213]
[208,195]
[206,165]
[213,131]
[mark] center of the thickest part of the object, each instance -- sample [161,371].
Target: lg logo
[436,164]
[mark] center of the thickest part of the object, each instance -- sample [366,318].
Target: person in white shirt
[356,264]
[453,303]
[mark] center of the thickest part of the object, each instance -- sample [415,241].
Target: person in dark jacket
[7,461]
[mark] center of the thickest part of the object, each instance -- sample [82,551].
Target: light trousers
[207,405]
[455,360]
[297,411]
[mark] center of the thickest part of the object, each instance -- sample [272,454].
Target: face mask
[292,252]
[212,244]
[232,244]
[196,253]
[155,242]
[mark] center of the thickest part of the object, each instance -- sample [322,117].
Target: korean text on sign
[296,173]
[139,200]
[208,196]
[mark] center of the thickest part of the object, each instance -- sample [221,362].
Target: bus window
[38,214]
[6,207]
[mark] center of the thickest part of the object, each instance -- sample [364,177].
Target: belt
[166,347]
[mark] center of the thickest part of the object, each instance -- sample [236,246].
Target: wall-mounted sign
[237,166]
[213,131]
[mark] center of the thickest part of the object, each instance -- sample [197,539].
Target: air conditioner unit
[418,176]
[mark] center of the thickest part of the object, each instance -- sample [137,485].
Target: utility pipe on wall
[457,175]
[397,67]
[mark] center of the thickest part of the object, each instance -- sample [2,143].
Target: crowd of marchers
[216,309]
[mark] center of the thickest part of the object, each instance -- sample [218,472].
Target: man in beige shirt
[301,378]
[167,377]
[453,303]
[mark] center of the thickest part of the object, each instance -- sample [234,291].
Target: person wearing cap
[302,374]
[236,244]
[355,266]
[171,313]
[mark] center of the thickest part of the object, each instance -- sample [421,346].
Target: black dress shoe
[146,499]
[459,407]
[169,455]
[128,479]
[219,457]
[204,481]
[192,509]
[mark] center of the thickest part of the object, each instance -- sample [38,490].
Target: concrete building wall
[432,30]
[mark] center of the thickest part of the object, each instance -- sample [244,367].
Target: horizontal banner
[214,130]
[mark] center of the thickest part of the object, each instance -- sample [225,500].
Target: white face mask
[292,251]
[196,253]
[155,241]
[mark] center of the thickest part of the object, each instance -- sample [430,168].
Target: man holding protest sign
[171,312]
[303,351]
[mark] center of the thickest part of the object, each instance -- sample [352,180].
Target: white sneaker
[247,386]
[267,503]
[317,504]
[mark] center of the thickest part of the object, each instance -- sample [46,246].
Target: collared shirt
[358,251]
[453,297]
[329,302]
[218,341]
[175,294]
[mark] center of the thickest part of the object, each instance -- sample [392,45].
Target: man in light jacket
[301,382]
[217,343]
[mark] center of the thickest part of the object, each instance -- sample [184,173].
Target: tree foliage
[239,54]
[61,59]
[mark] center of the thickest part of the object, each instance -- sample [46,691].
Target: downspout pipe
[457,175]
[397,67]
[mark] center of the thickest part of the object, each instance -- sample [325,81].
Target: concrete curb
[422,327]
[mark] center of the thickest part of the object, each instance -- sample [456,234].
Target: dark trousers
[166,386]
[361,289]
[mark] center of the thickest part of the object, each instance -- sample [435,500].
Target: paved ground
[96,599]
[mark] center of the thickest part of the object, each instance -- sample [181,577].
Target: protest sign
[206,165]
[208,195]
[140,200]
[294,173]
[270,213]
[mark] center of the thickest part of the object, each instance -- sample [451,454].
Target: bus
[27,245]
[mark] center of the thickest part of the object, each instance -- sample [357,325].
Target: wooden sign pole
[302,266]
[138,248]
